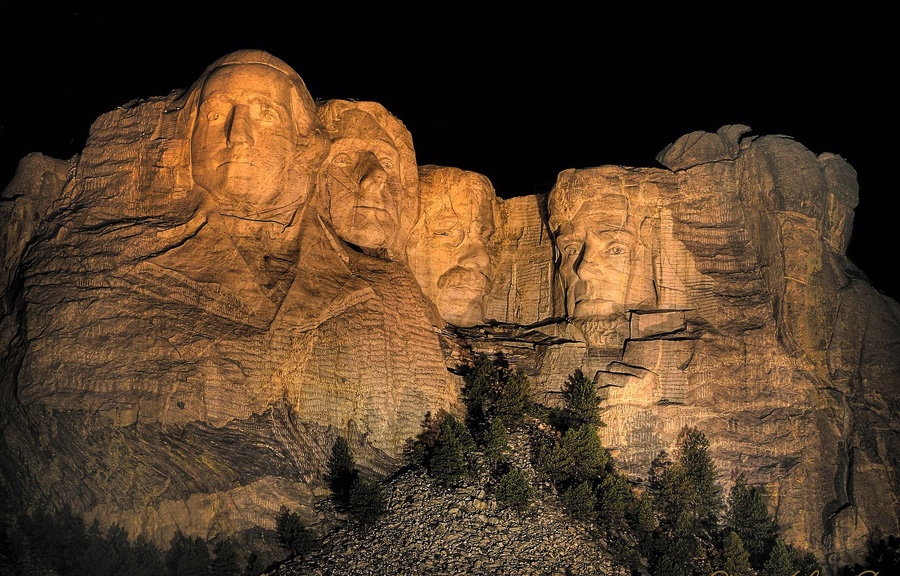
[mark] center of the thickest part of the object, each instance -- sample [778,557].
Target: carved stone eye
[617,250]
[342,159]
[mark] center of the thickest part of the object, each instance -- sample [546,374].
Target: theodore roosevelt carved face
[448,246]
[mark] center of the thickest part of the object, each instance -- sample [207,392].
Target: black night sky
[515,93]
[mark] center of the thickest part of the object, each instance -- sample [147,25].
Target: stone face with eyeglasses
[448,250]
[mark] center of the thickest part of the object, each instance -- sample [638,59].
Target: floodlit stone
[228,278]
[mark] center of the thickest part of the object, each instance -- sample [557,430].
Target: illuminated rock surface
[228,278]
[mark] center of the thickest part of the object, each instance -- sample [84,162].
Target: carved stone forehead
[305,114]
[608,192]
[468,194]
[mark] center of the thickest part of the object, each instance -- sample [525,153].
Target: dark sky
[518,94]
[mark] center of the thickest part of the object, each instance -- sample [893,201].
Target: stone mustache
[228,278]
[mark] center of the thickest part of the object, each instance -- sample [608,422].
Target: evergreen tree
[614,501]
[514,400]
[148,557]
[514,490]
[681,550]
[701,475]
[448,460]
[417,451]
[341,470]
[642,518]
[589,457]
[737,559]
[367,502]
[496,442]
[187,556]
[779,562]
[580,501]
[482,388]
[293,533]
[225,561]
[553,461]
[748,517]
[806,563]
[582,403]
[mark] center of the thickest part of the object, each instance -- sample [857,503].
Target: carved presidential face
[596,250]
[448,247]
[245,139]
[364,190]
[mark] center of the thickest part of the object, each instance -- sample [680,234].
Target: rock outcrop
[228,278]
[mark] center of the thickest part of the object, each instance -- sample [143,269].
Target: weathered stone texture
[180,349]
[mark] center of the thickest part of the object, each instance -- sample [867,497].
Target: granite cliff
[228,278]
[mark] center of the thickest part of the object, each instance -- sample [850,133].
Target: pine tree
[293,533]
[748,517]
[225,560]
[496,442]
[582,403]
[448,460]
[580,501]
[187,556]
[367,502]
[554,461]
[514,490]
[681,549]
[615,499]
[514,400]
[341,470]
[737,560]
[589,457]
[779,562]
[701,475]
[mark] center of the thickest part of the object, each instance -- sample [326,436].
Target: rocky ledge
[430,529]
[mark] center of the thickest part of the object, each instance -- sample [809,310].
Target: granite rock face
[227,278]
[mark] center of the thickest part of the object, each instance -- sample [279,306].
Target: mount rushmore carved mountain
[229,277]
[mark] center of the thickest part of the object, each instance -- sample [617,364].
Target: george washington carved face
[254,139]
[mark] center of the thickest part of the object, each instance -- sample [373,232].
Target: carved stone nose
[240,129]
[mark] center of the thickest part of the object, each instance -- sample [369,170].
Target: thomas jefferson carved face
[447,250]
[368,187]
[363,179]
[245,139]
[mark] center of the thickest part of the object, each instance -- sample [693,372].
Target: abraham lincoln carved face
[601,263]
